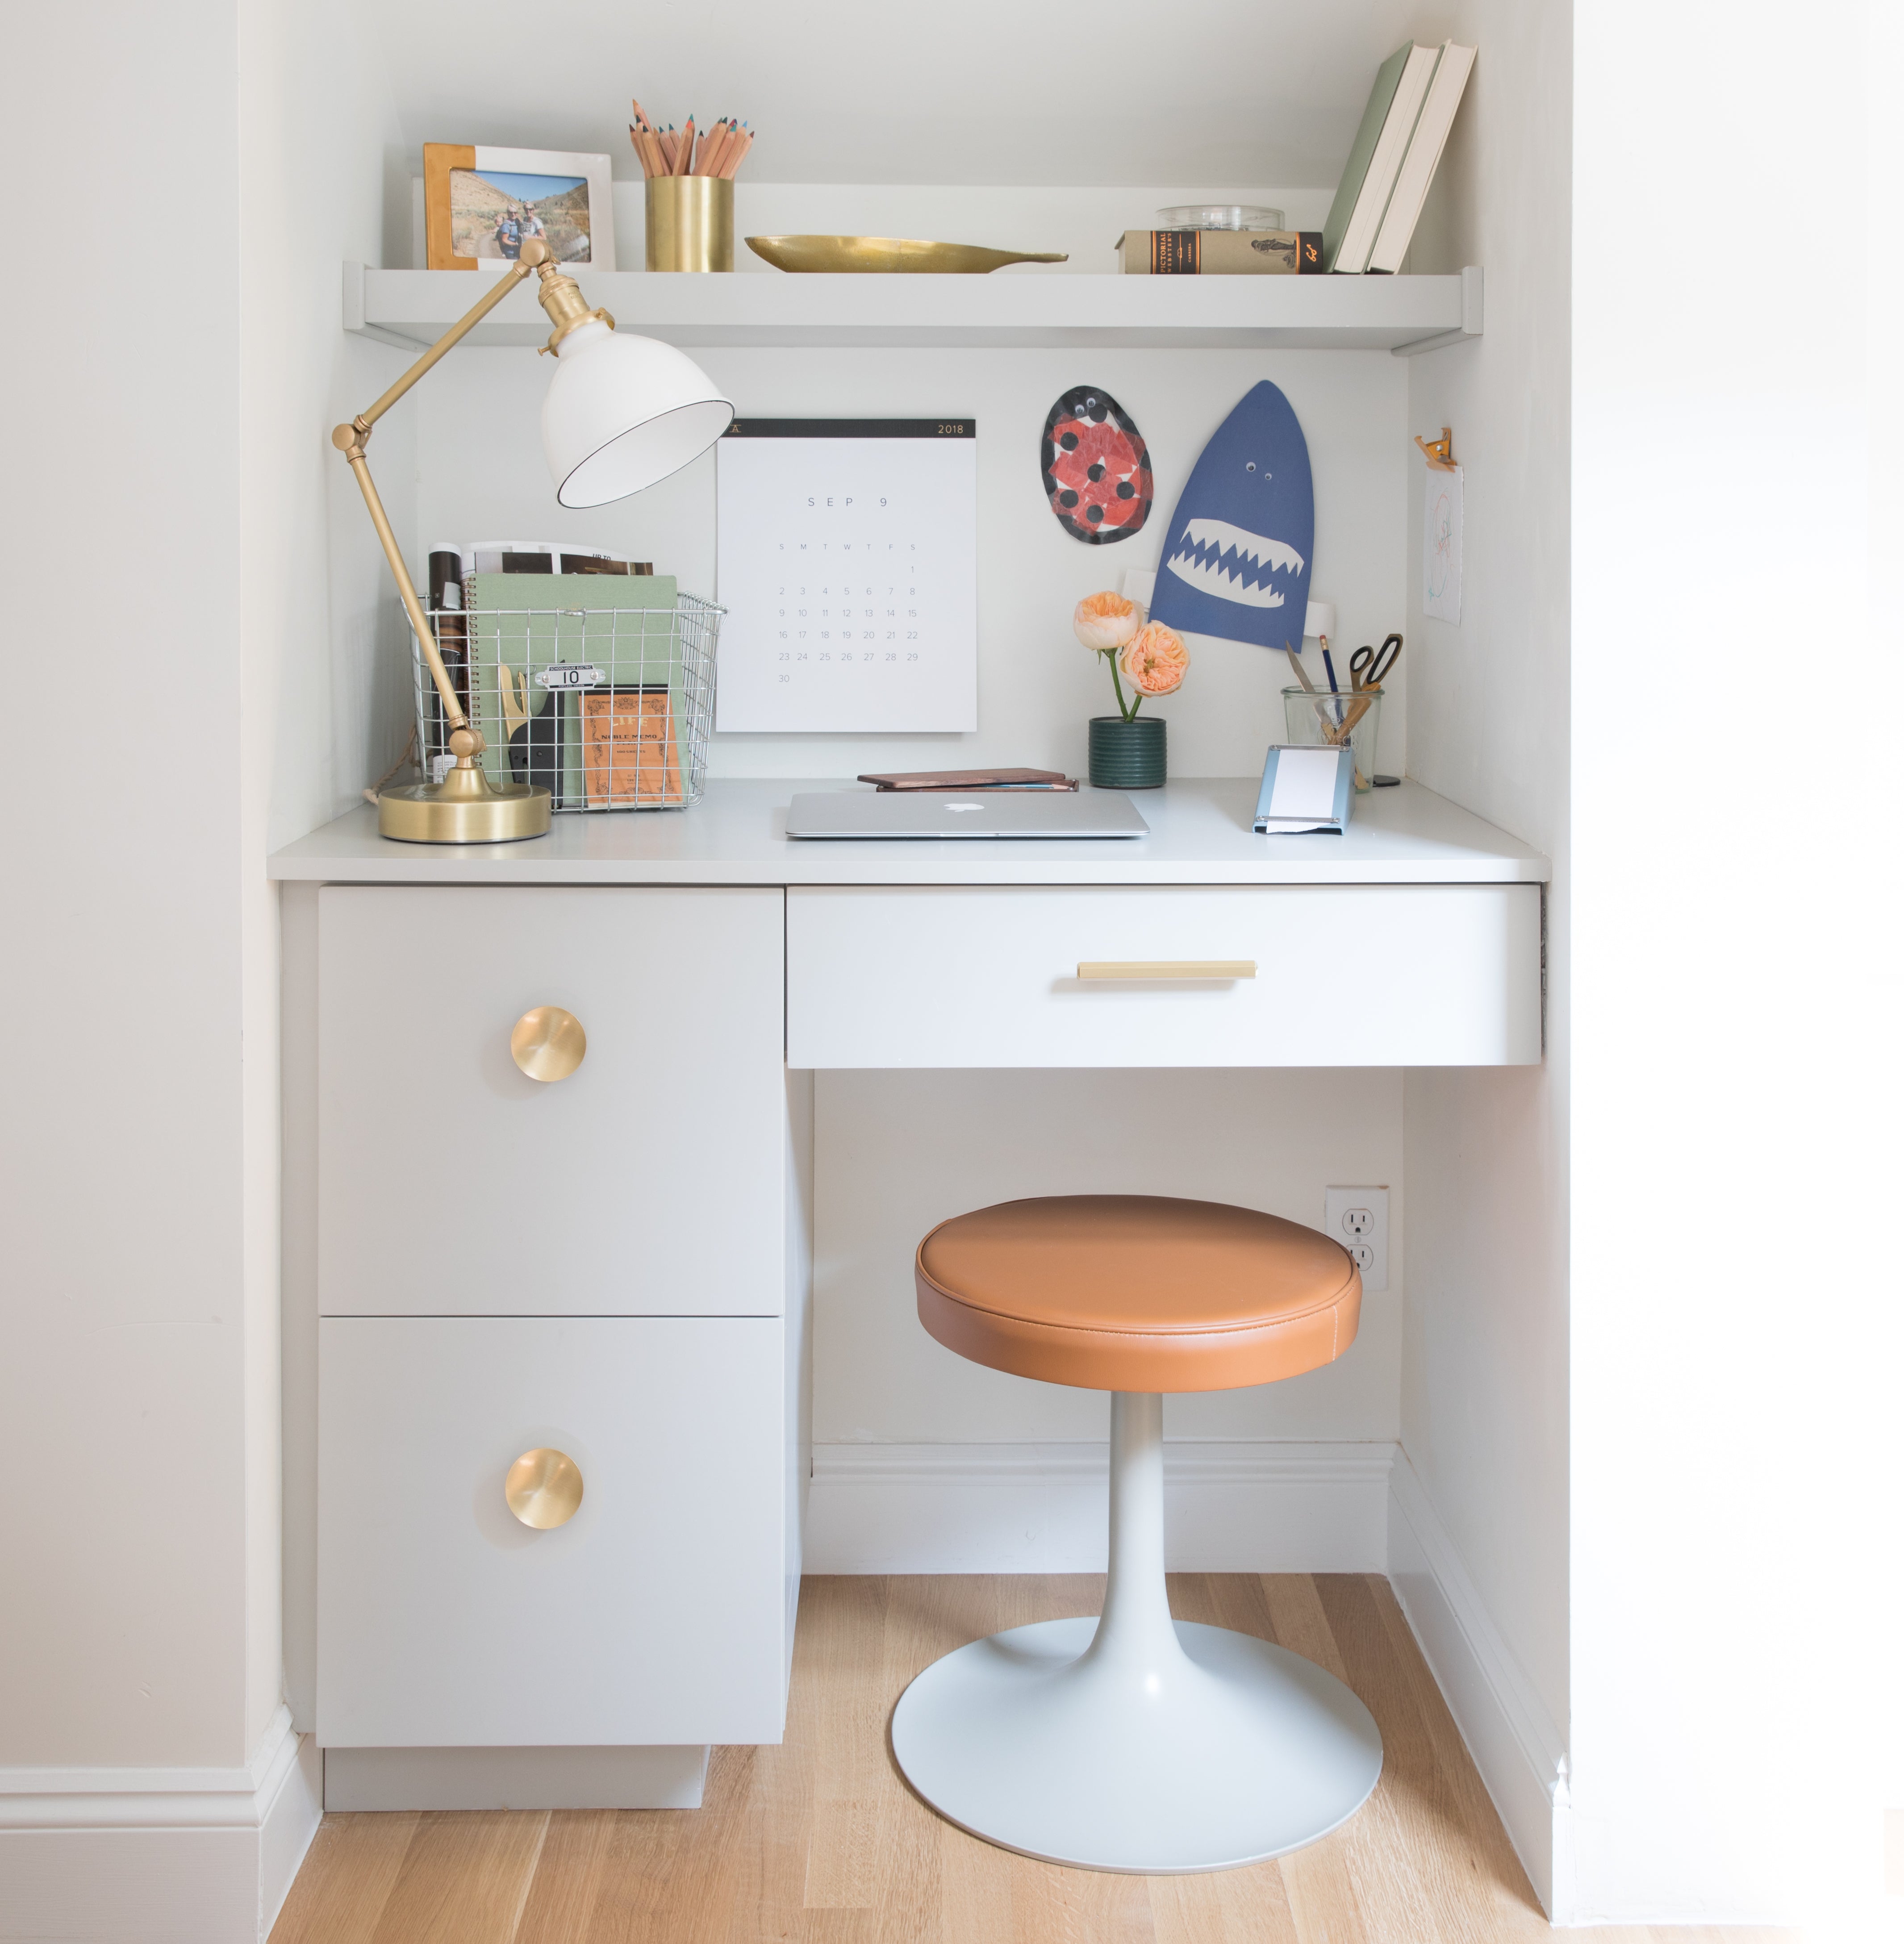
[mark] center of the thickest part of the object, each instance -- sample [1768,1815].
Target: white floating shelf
[1044,310]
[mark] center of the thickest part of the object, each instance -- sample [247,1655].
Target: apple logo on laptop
[964,805]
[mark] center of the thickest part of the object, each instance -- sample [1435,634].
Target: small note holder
[1306,788]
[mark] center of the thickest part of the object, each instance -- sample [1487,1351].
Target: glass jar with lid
[1220,216]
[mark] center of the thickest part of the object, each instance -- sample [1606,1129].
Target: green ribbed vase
[1127,755]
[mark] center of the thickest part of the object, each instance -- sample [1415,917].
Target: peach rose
[1156,661]
[1103,622]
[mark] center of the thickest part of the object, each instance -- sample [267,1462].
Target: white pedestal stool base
[1240,1751]
[1133,1742]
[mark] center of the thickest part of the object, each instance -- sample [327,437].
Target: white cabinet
[610,1265]
[1346,975]
[657,1615]
[648,1182]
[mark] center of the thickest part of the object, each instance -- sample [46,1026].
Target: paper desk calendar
[847,564]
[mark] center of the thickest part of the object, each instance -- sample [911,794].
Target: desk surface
[736,835]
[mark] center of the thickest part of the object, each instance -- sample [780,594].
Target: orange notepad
[628,751]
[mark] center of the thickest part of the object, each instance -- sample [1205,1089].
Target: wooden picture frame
[474,197]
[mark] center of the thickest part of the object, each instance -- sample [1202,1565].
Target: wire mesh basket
[607,708]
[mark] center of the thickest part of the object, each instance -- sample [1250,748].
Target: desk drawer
[649,1180]
[1386,975]
[656,1615]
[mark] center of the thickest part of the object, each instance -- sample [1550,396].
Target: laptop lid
[968,813]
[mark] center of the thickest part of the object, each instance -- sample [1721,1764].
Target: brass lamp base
[440,814]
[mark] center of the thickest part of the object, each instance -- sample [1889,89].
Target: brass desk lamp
[622,413]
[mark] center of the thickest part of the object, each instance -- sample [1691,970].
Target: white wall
[122,1634]
[166,494]
[990,91]
[481,473]
[1734,1367]
[1483,1386]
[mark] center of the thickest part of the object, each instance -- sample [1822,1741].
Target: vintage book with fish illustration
[1220,253]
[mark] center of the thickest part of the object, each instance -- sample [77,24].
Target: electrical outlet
[1357,1218]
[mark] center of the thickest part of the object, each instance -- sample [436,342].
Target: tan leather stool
[1133,1742]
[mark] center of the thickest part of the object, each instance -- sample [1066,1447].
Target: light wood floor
[818,1840]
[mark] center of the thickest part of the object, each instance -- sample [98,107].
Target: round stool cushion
[1137,1293]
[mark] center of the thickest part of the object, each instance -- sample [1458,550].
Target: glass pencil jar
[1318,718]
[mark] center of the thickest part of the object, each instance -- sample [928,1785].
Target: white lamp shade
[623,412]
[1319,622]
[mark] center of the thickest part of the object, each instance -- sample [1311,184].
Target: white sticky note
[1306,783]
[1441,544]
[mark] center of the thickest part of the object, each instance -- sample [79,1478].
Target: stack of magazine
[1372,220]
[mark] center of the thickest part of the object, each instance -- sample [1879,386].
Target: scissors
[1368,667]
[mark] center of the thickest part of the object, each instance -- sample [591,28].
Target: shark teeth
[1224,587]
[1220,536]
[1231,563]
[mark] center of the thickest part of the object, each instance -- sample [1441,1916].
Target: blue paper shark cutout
[1237,555]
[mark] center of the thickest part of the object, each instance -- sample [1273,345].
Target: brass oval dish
[544,1488]
[887,254]
[548,1043]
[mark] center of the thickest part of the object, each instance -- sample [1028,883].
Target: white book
[1404,208]
[1385,164]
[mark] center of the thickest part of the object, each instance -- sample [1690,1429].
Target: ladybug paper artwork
[1096,467]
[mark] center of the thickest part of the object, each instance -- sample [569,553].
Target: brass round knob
[544,1488]
[548,1043]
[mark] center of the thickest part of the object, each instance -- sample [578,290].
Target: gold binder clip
[1439,452]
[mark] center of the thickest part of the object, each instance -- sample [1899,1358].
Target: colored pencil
[717,150]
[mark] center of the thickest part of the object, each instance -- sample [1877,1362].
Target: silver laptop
[934,814]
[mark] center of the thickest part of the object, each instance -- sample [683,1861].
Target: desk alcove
[619,1265]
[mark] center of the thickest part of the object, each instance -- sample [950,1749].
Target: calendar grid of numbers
[848,567]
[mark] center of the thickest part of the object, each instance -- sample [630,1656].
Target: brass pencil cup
[689,222]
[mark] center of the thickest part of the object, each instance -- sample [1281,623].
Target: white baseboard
[1515,1744]
[572,1778]
[1255,1507]
[180,1856]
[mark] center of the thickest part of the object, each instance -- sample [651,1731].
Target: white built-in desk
[1200,835]
[617,1265]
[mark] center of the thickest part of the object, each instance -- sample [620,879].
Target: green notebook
[622,625]
[1355,169]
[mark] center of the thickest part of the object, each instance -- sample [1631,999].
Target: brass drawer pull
[544,1488]
[548,1043]
[1168,968]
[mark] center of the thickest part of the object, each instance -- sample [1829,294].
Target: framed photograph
[482,205]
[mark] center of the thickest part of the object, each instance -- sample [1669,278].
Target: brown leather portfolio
[973,780]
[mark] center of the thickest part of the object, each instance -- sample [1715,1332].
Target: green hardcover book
[622,625]
[1356,171]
